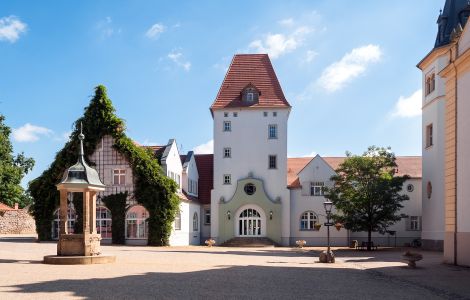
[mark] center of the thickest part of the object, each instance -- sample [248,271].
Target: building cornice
[431,57]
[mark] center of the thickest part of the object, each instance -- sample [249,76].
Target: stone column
[63,213]
[86,212]
[92,214]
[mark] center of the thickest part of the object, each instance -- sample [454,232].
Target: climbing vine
[116,203]
[155,191]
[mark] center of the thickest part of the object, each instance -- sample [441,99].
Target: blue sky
[348,68]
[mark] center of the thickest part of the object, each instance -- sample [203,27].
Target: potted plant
[301,243]
[210,242]
[317,226]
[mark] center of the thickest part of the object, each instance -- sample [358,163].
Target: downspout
[455,149]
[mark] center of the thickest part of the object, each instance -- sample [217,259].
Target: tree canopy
[366,191]
[152,189]
[12,170]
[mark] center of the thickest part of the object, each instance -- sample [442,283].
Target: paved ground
[201,272]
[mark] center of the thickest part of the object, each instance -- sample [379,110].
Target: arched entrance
[251,222]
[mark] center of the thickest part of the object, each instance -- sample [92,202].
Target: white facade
[250,147]
[433,156]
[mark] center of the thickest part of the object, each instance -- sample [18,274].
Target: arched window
[103,222]
[71,217]
[195,222]
[428,86]
[178,220]
[308,220]
[433,83]
[136,222]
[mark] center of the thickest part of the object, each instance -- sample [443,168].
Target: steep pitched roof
[4,207]
[407,165]
[254,69]
[205,167]
[455,15]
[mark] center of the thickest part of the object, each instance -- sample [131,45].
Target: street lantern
[328,206]
[328,256]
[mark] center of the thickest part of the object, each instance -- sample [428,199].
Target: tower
[250,113]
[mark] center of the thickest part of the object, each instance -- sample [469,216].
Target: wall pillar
[63,213]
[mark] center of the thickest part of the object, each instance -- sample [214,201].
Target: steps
[254,242]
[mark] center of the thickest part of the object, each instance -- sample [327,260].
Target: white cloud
[287,22]
[10,29]
[310,55]
[206,148]
[311,154]
[408,107]
[30,133]
[279,44]
[352,65]
[155,31]
[106,28]
[177,58]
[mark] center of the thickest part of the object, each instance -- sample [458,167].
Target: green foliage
[12,170]
[116,203]
[152,189]
[366,191]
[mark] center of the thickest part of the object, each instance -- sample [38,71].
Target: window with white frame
[136,222]
[235,114]
[227,126]
[250,97]
[265,113]
[225,114]
[308,220]
[178,221]
[429,136]
[119,176]
[195,222]
[272,162]
[272,131]
[430,84]
[103,222]
[227,152]
[227,179]
[414,223]
[207,216]
[316,188]
[274,113]
[71,217]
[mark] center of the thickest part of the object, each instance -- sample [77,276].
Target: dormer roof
[453,17]
[255,70]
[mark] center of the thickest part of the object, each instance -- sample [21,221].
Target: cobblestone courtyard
[201,272]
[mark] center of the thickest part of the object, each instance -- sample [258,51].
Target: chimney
[16,206]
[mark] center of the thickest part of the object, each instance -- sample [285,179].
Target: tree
[152,188]
[366,192]
[12,170]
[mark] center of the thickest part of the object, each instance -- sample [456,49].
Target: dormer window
[250,94]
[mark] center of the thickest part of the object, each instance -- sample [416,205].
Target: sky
[348,68]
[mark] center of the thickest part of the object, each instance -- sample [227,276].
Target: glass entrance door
[249,223]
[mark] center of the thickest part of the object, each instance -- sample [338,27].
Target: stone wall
[17,222]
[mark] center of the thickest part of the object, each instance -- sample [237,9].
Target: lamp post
[328,257]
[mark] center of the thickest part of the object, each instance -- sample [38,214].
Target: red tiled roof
[205,168]
[407,165]
[4,207]
[257,70]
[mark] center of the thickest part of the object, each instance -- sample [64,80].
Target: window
[250,189]
[207,216]
[235,114]
[308,220]
[414,223]
[136,222]
[272,162]
[274,113]
[265,113]
[429,190]
[103,222]
[429,136]
[225,114]
[178,221]
[272,131]
[227,126]
[119,176]
[430,84]
[227,179]
[410,188]
[227,152]
[178,180]
[195,222]
[316,188]
[250,97]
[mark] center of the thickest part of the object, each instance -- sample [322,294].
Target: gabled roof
[205,168]
[4,207]
[407,165]
[186,160]
[254,69]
